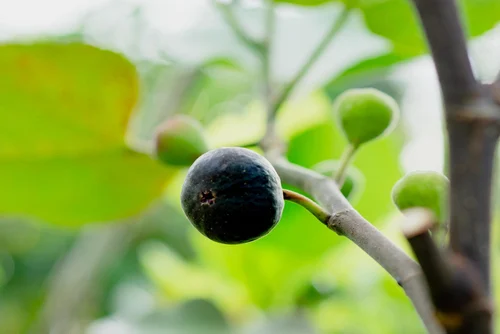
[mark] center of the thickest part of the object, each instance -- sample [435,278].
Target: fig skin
[427,189]
[365,114]
[232,195]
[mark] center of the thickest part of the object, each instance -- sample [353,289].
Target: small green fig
[426,189]
[232,195]
[354,179]
[365,114]
[179,141]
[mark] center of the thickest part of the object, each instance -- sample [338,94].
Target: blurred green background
[92,236]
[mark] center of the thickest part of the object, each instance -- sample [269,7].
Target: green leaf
[369,73]
[481,15]
[397,21]
[64,111]
[371,66]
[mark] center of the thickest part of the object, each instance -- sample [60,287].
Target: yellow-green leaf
[64,110]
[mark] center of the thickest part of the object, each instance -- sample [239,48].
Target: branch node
[336,218]
[495,90]
[478,111]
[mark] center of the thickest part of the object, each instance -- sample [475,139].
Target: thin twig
[239,32]
[346,221]
[270,138]
[269,27]
[335,28]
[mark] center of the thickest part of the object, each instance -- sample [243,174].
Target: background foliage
[92,237]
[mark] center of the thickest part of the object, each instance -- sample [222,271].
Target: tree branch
[441,22]
[335,28]
[472,151]
[346,221]
[472,122]
[495,89]
[455,286]
[473,119]
[415,227]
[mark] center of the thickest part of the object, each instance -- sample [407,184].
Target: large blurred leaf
[179,280]
[370,68]
[292,323]
[193,316]
[64,110]
[397,21]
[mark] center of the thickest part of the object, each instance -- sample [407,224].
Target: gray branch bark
[346,221]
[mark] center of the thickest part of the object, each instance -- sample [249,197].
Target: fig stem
[346,159]
[307,204]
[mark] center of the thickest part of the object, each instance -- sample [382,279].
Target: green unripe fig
[179,141]
[426,189]
[232,195]
[365,114]
[354,179]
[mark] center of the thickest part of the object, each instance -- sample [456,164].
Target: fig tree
[180,140]
[232,195]
[426,189]
[365,114]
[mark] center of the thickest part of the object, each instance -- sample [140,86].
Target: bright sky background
[184,26]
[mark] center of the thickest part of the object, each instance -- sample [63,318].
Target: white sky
[33,16]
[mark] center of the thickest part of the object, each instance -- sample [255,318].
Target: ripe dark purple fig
[232,195]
